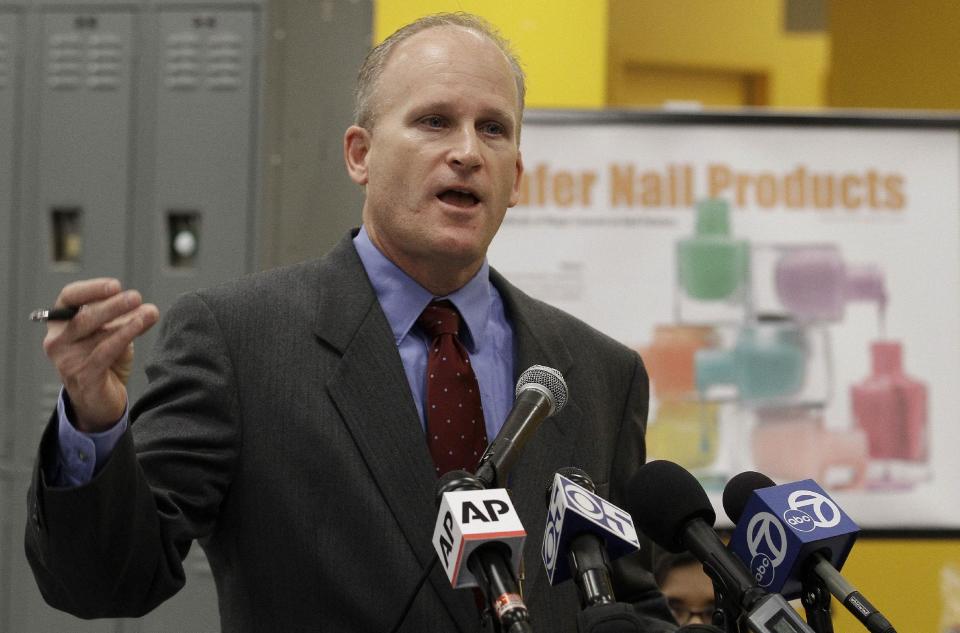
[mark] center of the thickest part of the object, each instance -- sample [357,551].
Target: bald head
[367,103]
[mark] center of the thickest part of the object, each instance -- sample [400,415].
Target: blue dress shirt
[488,339]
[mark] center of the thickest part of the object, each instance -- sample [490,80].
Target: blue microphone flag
[783,526]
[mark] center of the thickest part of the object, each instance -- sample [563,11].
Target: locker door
[204,163]
[79,224]
[10,25]
[200,169]
[73,220]
[11,518]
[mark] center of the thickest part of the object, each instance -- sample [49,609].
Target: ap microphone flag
[782,526]
[470,518]
[574,510]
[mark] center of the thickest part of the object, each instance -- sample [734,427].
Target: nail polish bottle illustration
[768,361]
[891,407]
[685,432]
[669,359]
[712,268]
[814,283]
[793,442]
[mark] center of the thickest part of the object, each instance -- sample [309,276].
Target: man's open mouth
[458,197]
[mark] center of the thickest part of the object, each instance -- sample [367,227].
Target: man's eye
[493,129]
[432,121]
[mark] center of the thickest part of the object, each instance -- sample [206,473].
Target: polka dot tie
[456,434]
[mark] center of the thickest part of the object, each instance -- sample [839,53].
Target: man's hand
[93,351]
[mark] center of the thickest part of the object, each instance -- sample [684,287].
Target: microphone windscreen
[738,490]
[547,381]
[455,480]
[663,498]
[577,476]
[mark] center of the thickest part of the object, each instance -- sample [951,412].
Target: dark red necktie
[456,434]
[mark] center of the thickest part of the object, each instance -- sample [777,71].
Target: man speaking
[296,420]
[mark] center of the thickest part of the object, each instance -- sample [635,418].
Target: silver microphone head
[547,381]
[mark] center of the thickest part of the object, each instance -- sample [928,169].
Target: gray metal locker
[77,220]
[74,213]
[9,99]
[11,513]
[131,146]
[142,135]
[194,224]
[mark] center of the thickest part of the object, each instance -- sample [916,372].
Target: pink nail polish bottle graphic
[891,407]
[793,442]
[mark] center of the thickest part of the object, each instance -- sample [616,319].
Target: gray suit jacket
[279,432]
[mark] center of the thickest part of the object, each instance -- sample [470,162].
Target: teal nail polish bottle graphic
[712,267]
[768,361]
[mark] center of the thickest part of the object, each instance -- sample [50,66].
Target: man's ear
[356,149]
[518,176]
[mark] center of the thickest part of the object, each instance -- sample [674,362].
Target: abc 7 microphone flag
[785,524]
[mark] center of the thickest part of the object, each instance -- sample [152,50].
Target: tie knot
[440,317]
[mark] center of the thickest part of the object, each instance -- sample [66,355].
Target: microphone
[788,533]
[479,539]
[672,509]
[583,534]
[541,392]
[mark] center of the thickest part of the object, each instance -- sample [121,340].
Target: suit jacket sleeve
[114,547]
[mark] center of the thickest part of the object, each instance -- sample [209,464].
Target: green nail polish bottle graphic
[712,266]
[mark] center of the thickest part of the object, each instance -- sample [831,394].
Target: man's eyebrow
[441,106]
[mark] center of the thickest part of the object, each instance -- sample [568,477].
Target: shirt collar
[403,299]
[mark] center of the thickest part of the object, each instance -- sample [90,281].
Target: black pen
[54,314]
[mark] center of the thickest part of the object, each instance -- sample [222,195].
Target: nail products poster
[792,284]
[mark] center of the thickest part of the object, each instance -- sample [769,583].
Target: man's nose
[465,151]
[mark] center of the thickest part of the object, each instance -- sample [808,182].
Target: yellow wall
[594,53]
[902,579]
[695,37]
[895,54]
[561,43]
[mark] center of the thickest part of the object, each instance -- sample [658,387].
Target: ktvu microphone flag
[782,526]
[574,510]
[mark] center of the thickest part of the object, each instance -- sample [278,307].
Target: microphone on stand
[795,538]
[674,511]
[540,392]
[479,541]
[583,534]
[492,544]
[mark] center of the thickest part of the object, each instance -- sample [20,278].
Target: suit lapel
[539,342]
[371,392]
